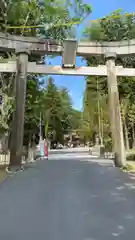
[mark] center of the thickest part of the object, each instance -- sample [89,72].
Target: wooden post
[16,145]
[114,109]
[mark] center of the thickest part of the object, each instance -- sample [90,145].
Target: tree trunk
[126,136]
[133,136]
[46,128]
[4,142]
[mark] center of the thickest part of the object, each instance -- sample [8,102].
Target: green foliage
[54,16]
[55,107]
[129,167]
[57,18]
[131,157]
[5,112]
[3,14]
[114,27]
[76,119]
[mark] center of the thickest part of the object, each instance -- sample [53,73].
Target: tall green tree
[116,26]
[54,16]
[53,106]
[59,116]
[56,20]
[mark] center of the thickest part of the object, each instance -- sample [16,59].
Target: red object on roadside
[46,148]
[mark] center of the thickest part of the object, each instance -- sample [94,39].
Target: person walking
[46,148]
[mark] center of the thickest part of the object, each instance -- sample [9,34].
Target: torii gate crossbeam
[9,43]
[58,70]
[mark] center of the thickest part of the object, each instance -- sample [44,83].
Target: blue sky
[100,8]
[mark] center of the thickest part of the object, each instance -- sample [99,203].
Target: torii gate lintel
[9,43]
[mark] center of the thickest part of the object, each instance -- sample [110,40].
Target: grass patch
[129,167]
[130,155]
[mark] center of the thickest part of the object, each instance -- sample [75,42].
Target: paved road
[68,200]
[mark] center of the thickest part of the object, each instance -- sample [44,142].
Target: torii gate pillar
[114,110]
[17,133]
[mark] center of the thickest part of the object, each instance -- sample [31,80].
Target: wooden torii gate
[23,46]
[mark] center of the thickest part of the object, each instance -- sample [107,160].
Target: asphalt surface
[68,200]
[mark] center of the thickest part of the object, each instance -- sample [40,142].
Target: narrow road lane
[67,200]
